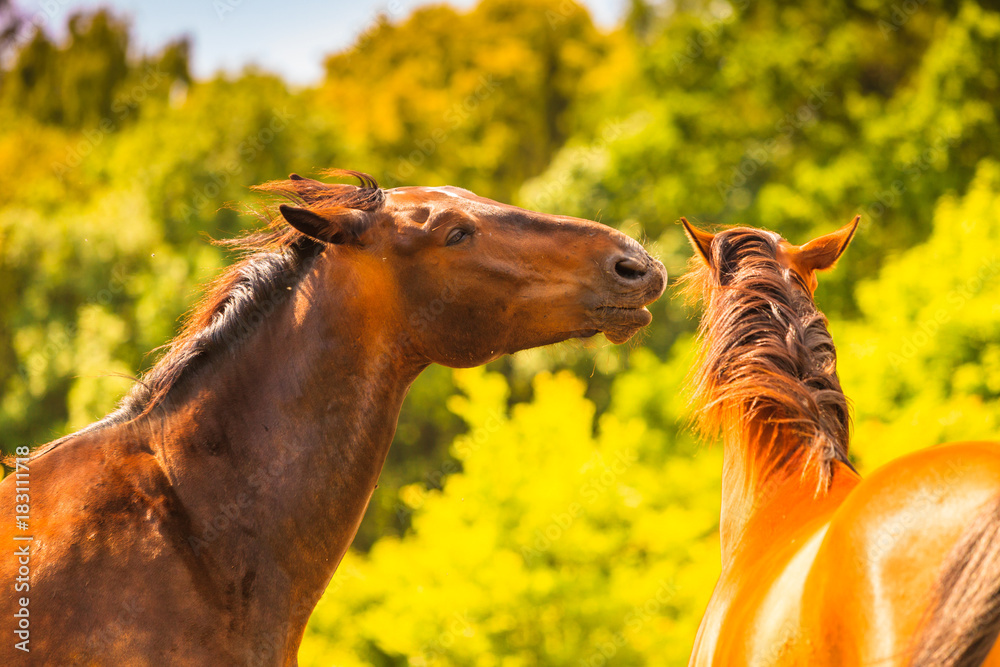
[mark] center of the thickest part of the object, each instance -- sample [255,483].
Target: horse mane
[767,365]
[273,260]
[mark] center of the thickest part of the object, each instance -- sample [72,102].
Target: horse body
[847,578]
[201,522]
[889,544]
[236,506]
[819,566]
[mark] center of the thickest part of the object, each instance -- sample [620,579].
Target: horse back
[879,566]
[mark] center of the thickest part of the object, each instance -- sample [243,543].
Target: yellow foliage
[921,365]
[556,545]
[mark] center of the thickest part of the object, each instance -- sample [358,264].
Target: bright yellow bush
[922,363]
[558,544]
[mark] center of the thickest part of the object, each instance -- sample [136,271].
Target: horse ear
[702,241]
[823,252]
[338,228]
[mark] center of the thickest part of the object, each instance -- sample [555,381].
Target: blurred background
[551,509]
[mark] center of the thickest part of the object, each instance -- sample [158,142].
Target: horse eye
[456,235]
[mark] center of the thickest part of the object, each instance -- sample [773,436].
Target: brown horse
[820,567]
[200,522]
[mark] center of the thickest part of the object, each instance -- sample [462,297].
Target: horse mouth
[619,323]
[624,313]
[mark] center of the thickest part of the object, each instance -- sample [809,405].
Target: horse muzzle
[635,280]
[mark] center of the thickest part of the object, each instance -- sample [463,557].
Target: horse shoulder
[760,621]
[105,547]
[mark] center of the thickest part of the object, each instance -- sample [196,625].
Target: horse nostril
[630,268]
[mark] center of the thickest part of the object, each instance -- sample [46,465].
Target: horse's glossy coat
[200,523]
[820,567]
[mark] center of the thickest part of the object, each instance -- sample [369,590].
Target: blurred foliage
[89,81]
[509,78]
[922,363]
[553,509]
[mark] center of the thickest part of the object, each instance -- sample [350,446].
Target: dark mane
[272,263]
[766,356]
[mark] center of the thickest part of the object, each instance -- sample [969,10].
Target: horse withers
[200,522]
[820,567]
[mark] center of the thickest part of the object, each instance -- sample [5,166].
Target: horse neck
[772,487]
[276,448]
[767,381]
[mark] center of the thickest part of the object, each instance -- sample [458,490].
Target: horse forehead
[423,202]
[446,196]
[740,235]
[453,192]
[413,195]
[755,231]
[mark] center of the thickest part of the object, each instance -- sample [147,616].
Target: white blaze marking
[445,192]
